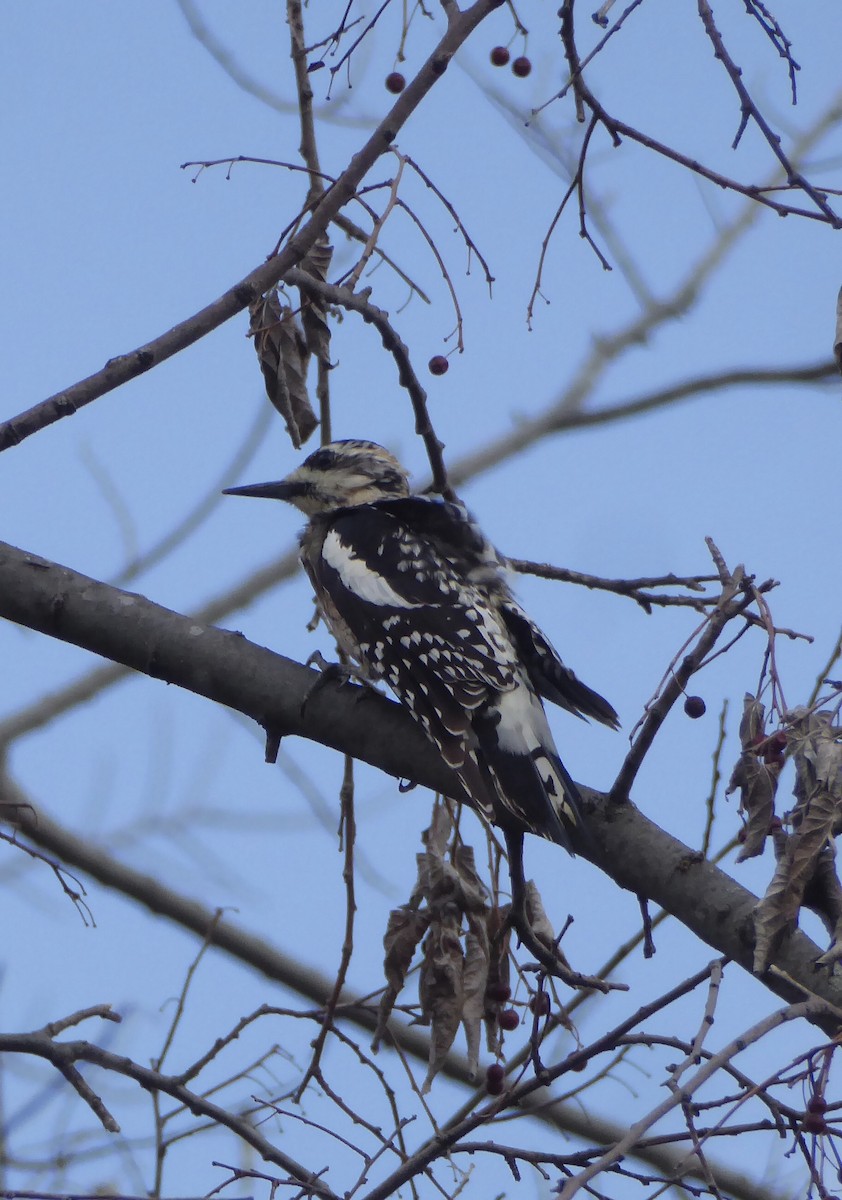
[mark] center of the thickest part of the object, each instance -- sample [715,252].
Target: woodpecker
[416,595]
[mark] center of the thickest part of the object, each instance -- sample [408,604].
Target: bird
[417,597]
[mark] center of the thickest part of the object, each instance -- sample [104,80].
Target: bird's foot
[332,672]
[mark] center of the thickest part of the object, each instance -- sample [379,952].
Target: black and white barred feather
[417,596]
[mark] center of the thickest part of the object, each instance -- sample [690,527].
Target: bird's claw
[332,672]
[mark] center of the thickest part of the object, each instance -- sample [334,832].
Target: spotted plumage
[417,596]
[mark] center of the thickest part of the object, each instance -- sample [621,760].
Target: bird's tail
[530,785]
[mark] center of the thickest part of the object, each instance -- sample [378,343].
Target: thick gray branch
[227,668]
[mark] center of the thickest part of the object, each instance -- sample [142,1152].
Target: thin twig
[352,279]
[308,148]
[750,111]
[76,893]
[348,832]
[65,1055]
[341,221]
[360,303]
[266,276]
[755,1033]
[694,1054]
[635,589]
[469,241]
[732,603]
[716,775]
[207,941]
[615,28]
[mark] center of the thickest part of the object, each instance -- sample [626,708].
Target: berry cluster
[498,994]
[500,57]
[522,66]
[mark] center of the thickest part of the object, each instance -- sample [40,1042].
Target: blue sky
[106,243]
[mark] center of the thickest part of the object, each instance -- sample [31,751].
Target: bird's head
[338,475]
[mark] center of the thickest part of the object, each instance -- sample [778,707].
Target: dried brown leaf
[758,784]
[824,896]
[444,886]
[313,312]
[440,990]
[536,915]
[752,722]
[404,931]
[756,780]
[283,356]
[813,743]
[474,983]
[419,891]
[437,836]
[774,913]
[441,880]
[816,748]
[499,933]
[473,892]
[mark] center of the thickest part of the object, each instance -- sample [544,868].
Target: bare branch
[732,603]
[259,281]
[229,669]
[349,834]
[359,302]
[806,1008]
[65,1055]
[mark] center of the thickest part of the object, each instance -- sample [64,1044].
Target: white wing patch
[523,724]
[358,578]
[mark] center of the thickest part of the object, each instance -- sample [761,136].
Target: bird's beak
[282,489]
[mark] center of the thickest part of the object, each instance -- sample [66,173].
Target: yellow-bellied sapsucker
[417,596]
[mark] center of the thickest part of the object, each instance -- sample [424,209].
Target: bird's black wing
[550,677]
[458,535]
[417,623]
[413,590]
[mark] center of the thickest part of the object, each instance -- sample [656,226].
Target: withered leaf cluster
[314,311]
[283,355]
[464,941]
[756,776]
[284,344]
[805,872]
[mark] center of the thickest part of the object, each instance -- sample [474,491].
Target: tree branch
[227,668]
[64,1056]
[273,964]
[128,366]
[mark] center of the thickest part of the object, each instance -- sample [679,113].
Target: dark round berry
[438,365]
[494,1078]
[540,1004]
[508,1019]
[522,66]
[695,707]
[817,1104]
[813,1123]
[498,992]
[395,83]
[500,56]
